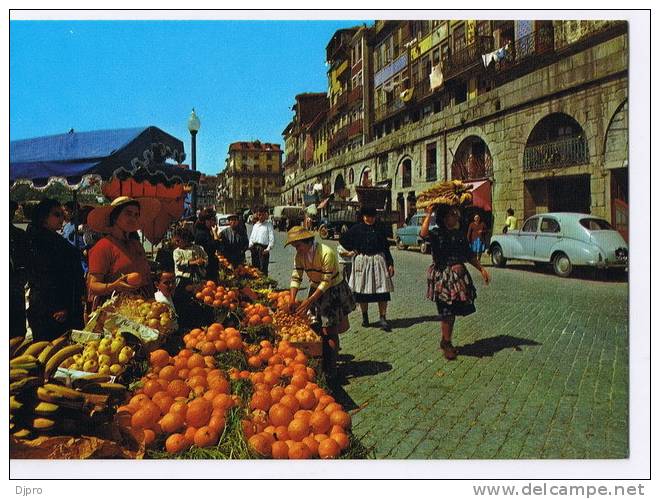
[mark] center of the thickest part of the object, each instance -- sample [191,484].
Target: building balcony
[558,153]
[469,58]
[422,89]
[527,49]
[355,128]
[342,100]
[290,160]
[338,138]
[355,95]
[391,108]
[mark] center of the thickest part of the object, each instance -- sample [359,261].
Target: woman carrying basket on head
[450,285]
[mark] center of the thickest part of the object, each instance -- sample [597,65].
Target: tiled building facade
[534,113]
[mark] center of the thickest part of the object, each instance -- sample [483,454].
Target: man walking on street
[262,240]
[234,242]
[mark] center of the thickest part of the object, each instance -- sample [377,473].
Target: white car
[563,239]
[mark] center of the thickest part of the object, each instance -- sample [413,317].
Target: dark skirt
[452,290]
[371,298]
[334,305]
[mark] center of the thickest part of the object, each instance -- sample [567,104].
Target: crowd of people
[72,260]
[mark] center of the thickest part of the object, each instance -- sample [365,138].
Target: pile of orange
[257,315]
[279,299]
[213,339]
[297,419]
[247,271]
[218,296]
[184,397]
[224,262]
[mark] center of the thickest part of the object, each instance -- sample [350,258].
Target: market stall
[247,386]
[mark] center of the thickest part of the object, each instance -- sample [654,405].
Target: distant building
[252,176]
[207,192]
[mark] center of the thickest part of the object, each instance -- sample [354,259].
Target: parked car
[408,235]
[223,220]
[563,239]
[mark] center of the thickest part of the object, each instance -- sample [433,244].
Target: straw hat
[99,218]
[297,233]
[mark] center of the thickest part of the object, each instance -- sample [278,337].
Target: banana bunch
[108,356]
[453,192]
[38,407]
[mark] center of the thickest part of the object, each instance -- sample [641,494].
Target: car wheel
[497,256]
[400,245]
[562,265]
[323,232]
[424,248]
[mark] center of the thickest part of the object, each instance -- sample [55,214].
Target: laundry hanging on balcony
[436,78]
[407,95]
[495,55]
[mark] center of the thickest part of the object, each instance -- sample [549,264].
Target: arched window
[556,141]
[406,173]
[351,176]
[472,160]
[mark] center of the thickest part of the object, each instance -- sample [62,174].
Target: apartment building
[533,113]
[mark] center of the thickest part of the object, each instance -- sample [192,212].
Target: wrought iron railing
[537,43]
[559,153]
[422,88]
[387,110]
[467,58]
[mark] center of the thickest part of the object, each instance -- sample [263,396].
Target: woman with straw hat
[119,253]
[330,299]
[450,285]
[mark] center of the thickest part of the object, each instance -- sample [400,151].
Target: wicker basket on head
[453,193]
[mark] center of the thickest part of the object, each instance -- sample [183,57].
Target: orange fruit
[341,418]
[254,361]
[144,417]
[222,401]
[176,443]
[320,437]
[149,436]
[220,346]
[299,450]
[168,373]
[329,449]
[306,399]
[261,400]
[276,393]
[324,400]
[291,402]
[189,434]
[341,439]
[282,433]
[266,319]
[159,358]
[320,422]
[196,360]
[179,407]
[137,400]
[280,450]
[332,407]
[266,353]
[312,444]
[298,429]
[183,373]
[249,428]
[275,359]
[164,402]
[207,348]
[291,389]
[206,437]
[234,343]
[220,384]
[199,412]
[217,423]
[178,388]
[260,445]
[171,423]
[280,414]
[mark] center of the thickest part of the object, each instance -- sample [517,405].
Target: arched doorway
[472,160]
[366,179]
[405,172]
[557,141]
[340,187]
[616,160]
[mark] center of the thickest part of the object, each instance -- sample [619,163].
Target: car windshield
[595,224]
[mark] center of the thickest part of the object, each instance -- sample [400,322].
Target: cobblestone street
[542,370]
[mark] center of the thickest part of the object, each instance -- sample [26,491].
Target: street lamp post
[193,127]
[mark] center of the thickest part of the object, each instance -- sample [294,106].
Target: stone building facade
[538,129]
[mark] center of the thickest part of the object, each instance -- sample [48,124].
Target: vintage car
[564,240]
[408,235]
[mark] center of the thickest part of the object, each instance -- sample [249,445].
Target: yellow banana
[115,390]
[18,374]
[24,384]
[23,433]
[47,409]
[23,346]
[43,423]
[54,362]
[22,359]
[36,348]
[60,395]
[15,405]
[14,343]
[55,346]
[81,383]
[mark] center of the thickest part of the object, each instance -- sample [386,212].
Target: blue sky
[241,77]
